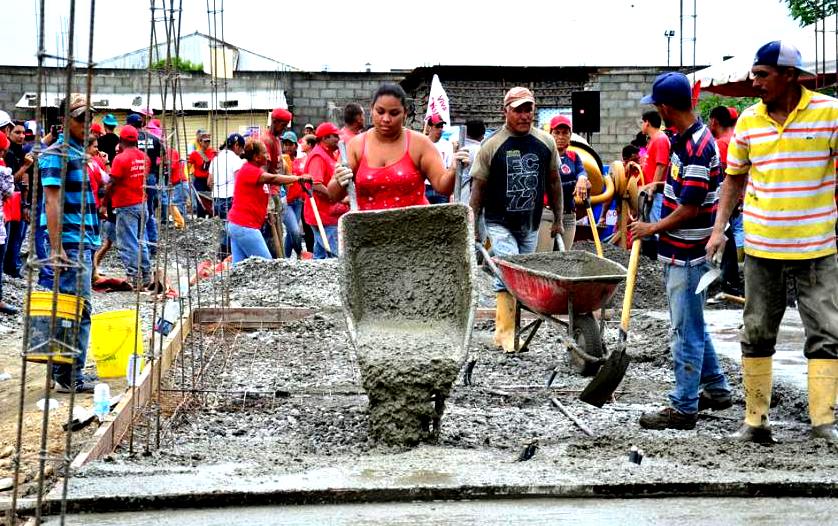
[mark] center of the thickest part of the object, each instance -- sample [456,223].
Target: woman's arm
[276,179]
[430,165]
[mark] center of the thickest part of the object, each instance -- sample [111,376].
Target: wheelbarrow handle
[488,259]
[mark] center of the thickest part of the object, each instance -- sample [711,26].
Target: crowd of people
[759,186]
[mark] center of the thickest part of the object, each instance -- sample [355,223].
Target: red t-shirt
[250,198]
[128,172]
[723,142]
[658,153]
[200,167]
[94,173]
[320,166]
[176,168]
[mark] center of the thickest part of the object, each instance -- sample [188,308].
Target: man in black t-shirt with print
[511,173]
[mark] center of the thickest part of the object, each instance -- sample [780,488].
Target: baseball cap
[780,53]
[281,114]
[560,120]
[289,136]
[154,128]
[327,128]
[95,128]
[129,133]
[517,96]
[30,128]
[436,118]
[109,120]
[134,120]
[668,88]
[5,119]
[734,113]
[148,112]
[235,138]
[308,125]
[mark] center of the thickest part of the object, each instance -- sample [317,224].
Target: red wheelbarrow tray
[546,282]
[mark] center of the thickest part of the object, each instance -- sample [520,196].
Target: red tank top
[392,186]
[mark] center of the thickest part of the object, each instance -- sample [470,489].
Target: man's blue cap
[779,54]
[289,136]
[134,120]
[109,120]
[668,88]
[235,138]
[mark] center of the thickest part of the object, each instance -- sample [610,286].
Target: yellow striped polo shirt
[789,208]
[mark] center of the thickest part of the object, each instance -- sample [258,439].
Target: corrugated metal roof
[232,101]
[195,48]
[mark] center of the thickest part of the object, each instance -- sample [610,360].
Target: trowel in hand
[711,275]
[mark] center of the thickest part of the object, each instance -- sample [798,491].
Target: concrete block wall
[620,92]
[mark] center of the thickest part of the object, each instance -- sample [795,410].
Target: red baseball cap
[560,120]
[4,141]
[281,114]
[734,113]
[436,118]
[129,133]
[95,128]
[327,128]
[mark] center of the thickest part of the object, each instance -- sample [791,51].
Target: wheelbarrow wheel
[587,337]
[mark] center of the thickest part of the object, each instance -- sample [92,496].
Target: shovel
[592,223]
[602,387]
[307,188]
[350,188]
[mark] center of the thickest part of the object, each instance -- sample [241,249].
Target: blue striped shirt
[49,163]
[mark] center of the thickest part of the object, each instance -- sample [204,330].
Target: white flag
[438,101]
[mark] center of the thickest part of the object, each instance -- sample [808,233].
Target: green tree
[179,64]
[809,11]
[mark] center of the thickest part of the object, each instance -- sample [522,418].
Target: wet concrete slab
[533,512]
[725,326]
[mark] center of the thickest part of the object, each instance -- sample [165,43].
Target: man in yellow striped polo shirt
[783,154]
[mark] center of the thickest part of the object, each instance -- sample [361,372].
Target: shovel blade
[709,277]
[610,375]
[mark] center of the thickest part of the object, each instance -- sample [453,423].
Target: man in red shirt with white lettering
[127,194]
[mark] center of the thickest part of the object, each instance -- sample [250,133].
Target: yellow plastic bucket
[67,309]
[113,335]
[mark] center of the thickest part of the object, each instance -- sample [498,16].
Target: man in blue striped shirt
[687,215]
[76,238]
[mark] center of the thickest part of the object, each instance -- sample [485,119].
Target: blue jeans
[319,247]
[655,212]
[68,283]
[434,197]
[220,206]
[291,220]
[246,242]
[42,248]
[152,203]
[179,193]
[737,225]
[696,363]
[129,232]
[507,242]
[15,235]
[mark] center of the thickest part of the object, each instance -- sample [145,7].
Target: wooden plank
[118,422]
[250,317]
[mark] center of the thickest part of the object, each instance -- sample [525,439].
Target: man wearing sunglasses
[80,228]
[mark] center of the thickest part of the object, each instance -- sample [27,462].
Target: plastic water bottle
[101,401]
[135,363]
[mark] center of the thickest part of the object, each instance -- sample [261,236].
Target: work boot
[668,418]
[823,386]
[505,322]
[756,380]
[77,387]
[716,403]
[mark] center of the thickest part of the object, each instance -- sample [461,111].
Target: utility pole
[681,33]
[668,34]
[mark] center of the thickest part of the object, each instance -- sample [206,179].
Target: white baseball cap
[5,119]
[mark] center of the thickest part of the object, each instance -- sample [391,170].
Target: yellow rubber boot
[757,382]
[505,322]
[823,384]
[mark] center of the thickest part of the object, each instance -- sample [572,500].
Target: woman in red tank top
[390,162]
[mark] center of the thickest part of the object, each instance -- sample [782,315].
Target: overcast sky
[344,35]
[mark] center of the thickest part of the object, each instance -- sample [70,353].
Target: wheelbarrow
[575,284]
[407,278]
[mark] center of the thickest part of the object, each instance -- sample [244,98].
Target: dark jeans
[68,283]
[434,197]
[15,234]
[765,293]
[220,206]
[152,202]
[200,185]
[42,249]
[730,265]
[291,214]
